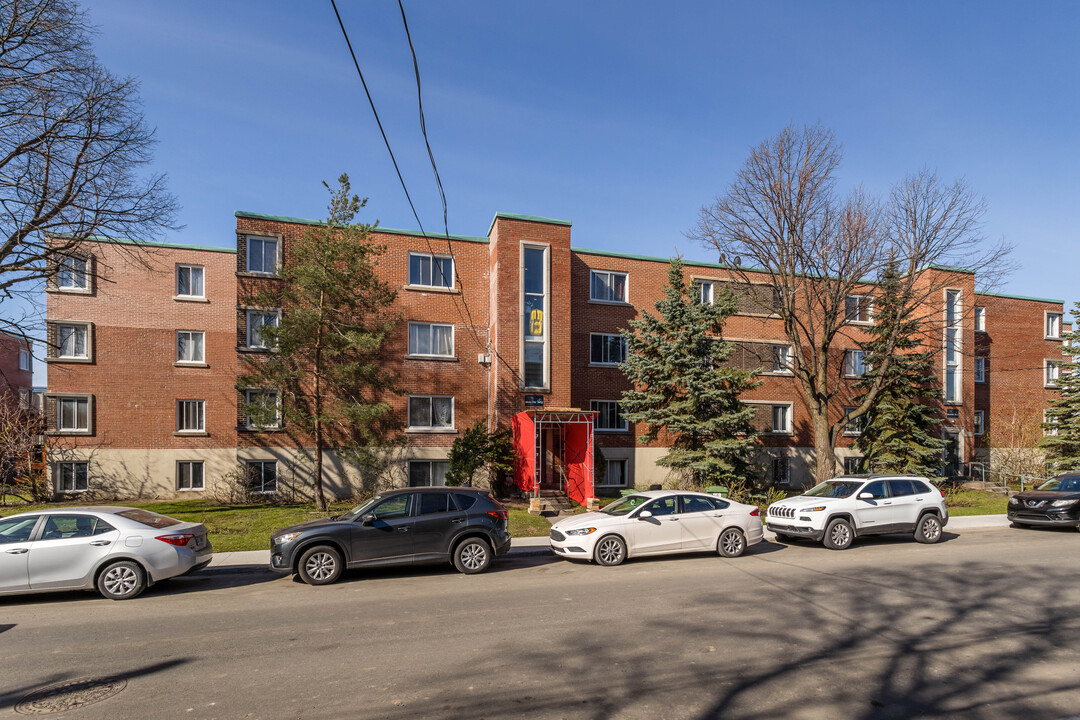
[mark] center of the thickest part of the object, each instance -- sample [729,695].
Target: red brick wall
[12,379]
[132,375]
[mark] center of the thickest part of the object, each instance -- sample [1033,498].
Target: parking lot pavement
[537,546]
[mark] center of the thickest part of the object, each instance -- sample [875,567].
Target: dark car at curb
[1055,503]
[463,526]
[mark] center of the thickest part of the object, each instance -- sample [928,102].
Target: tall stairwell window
[953,313]
[536,302]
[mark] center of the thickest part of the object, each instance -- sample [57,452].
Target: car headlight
[813,509]
[581,531]
[1063,503]
[1013,501]
[287,537]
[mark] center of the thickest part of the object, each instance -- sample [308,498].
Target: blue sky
[623,117]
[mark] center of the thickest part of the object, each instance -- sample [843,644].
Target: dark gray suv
[463,526]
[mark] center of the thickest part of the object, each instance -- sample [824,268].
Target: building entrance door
[551,458]
[951,458]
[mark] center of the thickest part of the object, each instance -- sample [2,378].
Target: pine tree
[1062,442]
[675,360]
[477,449]
[900,429]
[325,360]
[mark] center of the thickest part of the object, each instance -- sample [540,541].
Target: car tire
[472,556]
[320,565]
[839,535]
[610,551]
[731,543]
[928,531]
[122,580]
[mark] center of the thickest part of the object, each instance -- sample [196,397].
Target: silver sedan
[117,550]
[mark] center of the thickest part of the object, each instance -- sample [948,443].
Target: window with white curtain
[72,341]
[435,339]
[189,281]
[431,412]
[190,346]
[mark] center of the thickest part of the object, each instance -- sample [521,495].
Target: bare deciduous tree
[73,142]
[784,216]
[20,430]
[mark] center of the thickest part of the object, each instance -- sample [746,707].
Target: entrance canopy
[553,449]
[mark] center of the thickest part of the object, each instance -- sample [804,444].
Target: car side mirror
[866,496]
[644,515]
[367,519]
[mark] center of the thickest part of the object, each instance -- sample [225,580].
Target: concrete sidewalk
[538,546]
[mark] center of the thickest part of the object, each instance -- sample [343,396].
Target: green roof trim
[527,218]
[651,258]
[176,246]
[377,228]
[1023,297]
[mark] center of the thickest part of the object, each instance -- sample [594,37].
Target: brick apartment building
[144,358]
[16,370]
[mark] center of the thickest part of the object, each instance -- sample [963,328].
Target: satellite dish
[736,261]
[723,260]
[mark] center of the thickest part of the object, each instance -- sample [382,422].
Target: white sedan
[117,550]
[658,522]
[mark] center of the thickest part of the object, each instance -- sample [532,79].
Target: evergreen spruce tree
[900,430]
[325,363]
[1062,442]
[675,360]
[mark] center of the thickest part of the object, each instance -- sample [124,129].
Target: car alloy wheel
[732,543]
[320,565]
[121,581]
[610,551]
[472,556]
[839,535]
[929,529]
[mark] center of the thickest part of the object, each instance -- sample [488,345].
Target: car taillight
[180,540]
[755,512]
[497,514]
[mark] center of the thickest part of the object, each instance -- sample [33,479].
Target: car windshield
[835,488]
[1068,483]
[361,508]
[150,519]
[625,505]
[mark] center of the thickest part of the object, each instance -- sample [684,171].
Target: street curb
[524,552]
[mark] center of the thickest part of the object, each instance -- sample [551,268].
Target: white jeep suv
[839,510]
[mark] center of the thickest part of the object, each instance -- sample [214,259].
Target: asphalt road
[983,625]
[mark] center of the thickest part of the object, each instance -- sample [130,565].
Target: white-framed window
[256,321]
[535,322]
[72,476]
[980,369]
[607,286]
[706,290]
[428,473]
[265,405]
[190,346]
[615,473]
[781,470]
[606,349]
[1050,423]
[980,319]
[1051,372]
[431,339]
[24,360]
[858,308]
[1053,326]
[191,416]
[953,345]
[73,414]
[190,281]
[431,412]
[71,273]
[980,423]
[262,476]
[780,419]
[853,427]
[72,341]
[855,363]
[781,359]
[426,270]
[263,255]
[853,464]
[189,475]
[608,416]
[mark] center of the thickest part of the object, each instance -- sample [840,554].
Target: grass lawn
[248,527]
[974,502]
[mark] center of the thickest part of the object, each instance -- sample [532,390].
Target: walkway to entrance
[553,450]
